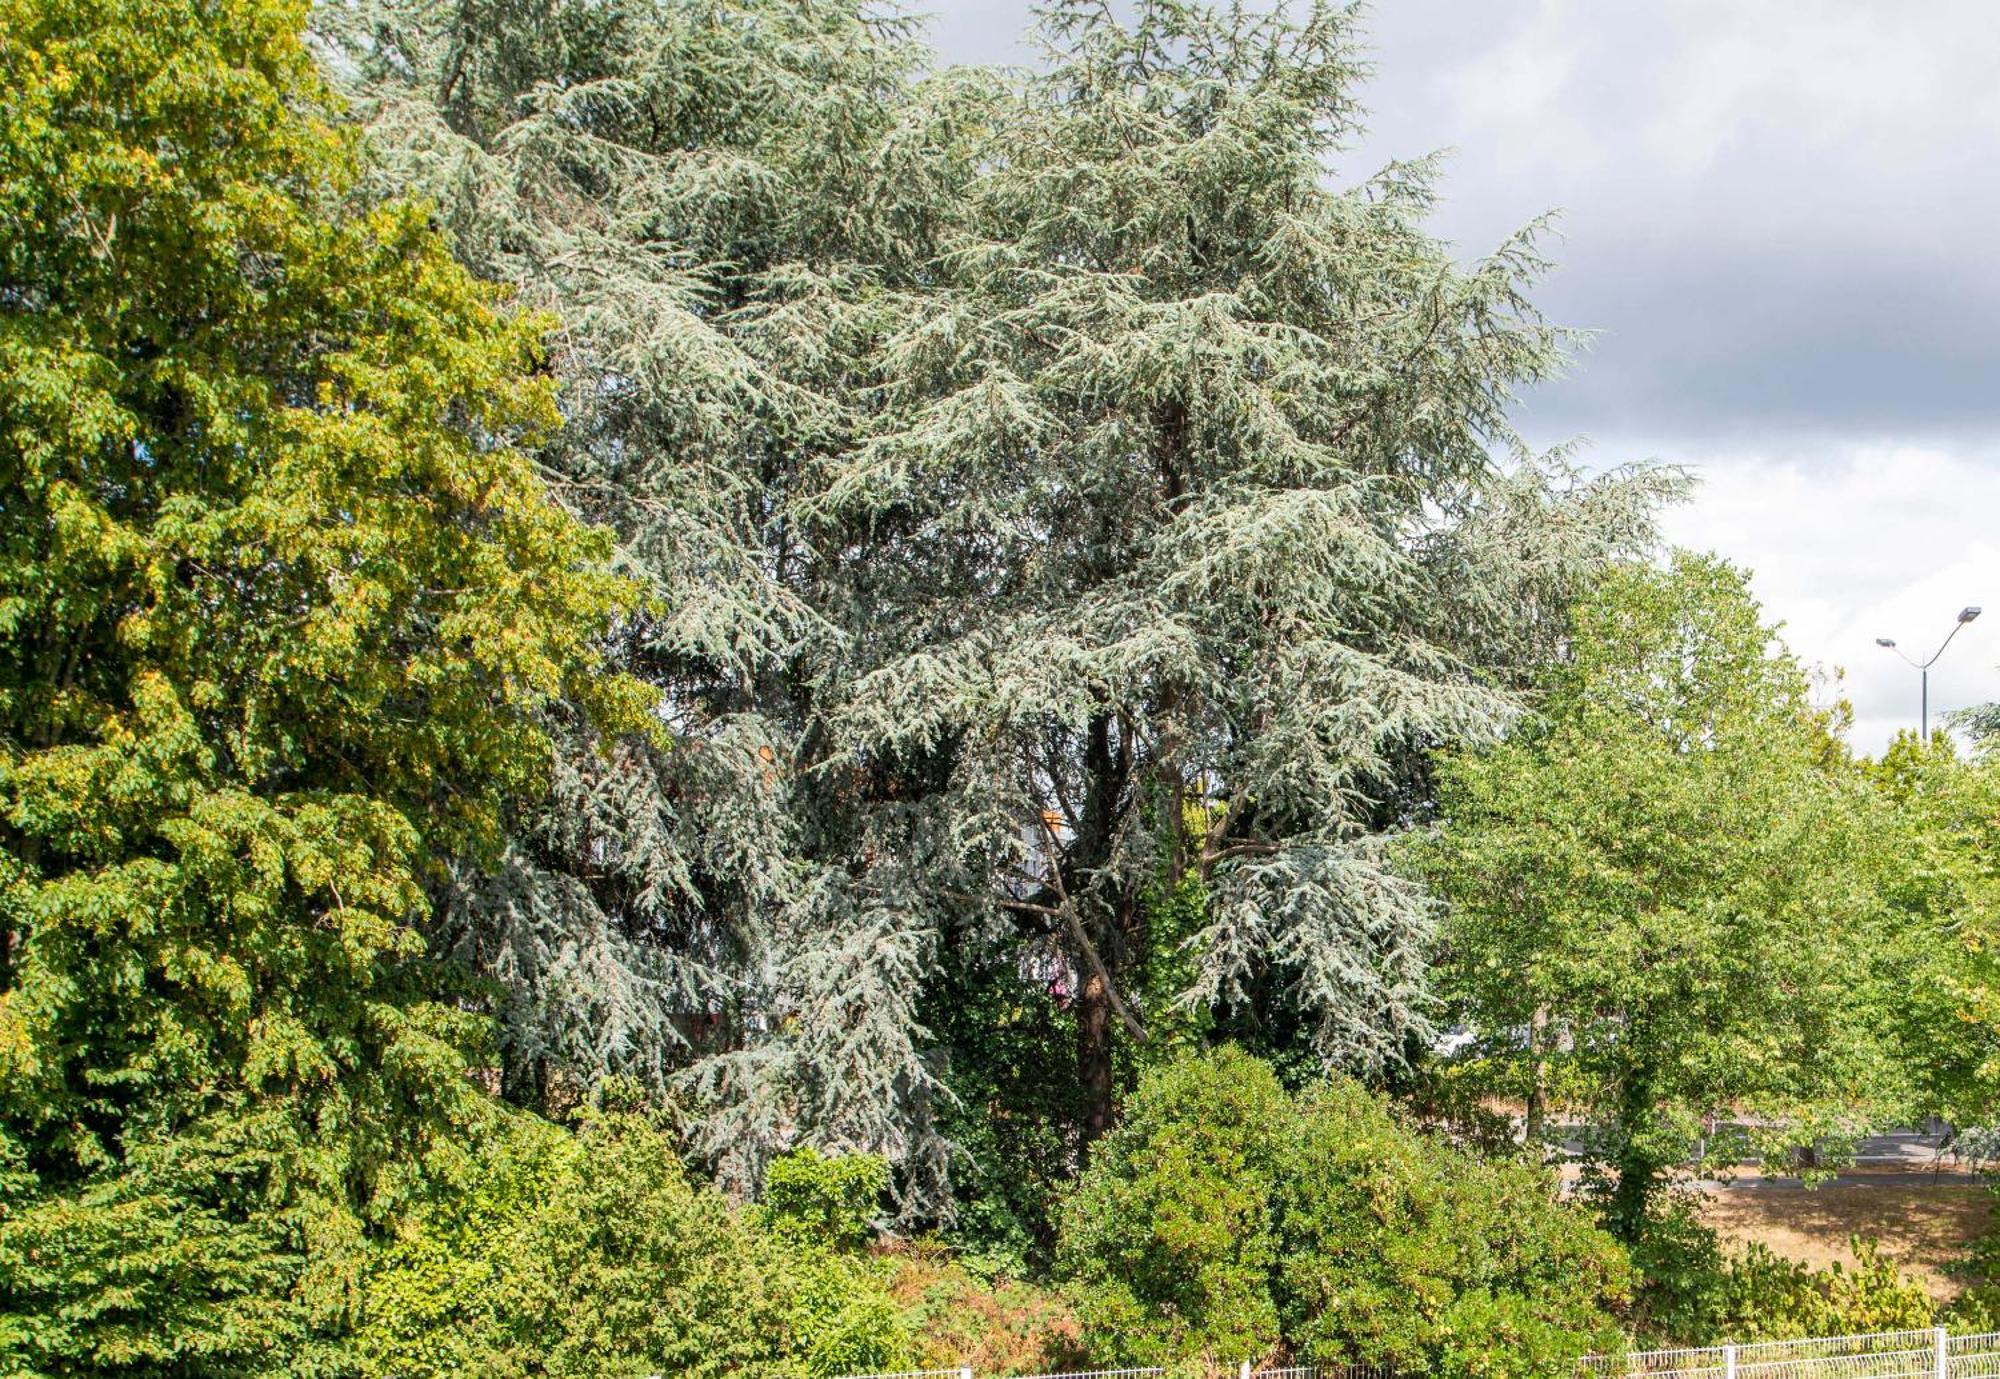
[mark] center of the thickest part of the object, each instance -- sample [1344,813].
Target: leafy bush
[1401,1251]
[1166,1241]
[589,1253]
[1680,1276]
[1769,1298]
[818,1211]
[576,1254]
[998,1325]
[1014,1100]
[1224,1218]
[1978,1307]
[1974,1311]
[1692,1293]
[840,1317]
[828,1201]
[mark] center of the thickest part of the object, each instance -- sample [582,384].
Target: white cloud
[1863,542]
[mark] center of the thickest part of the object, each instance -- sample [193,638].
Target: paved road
[1904,1158]
[1901,1159]
[1905,1147]
[1901,1180]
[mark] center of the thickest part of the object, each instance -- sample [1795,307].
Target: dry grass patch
[1924,1221]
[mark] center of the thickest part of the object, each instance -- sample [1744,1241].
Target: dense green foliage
[574,1254]
[1943,819]
[590,1253]
[831,804]
[1224,1216]
[1167,1239]
[1060,497]
[723,200]
[822,1201]
[1695,1293]
[1667,900]
[280,599]
[1403,1252]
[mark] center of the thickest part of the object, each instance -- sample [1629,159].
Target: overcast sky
[1783,219]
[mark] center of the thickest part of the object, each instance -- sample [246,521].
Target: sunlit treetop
[281,596]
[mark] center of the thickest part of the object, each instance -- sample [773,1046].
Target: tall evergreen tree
[280,595]
[1058,487]
[700,190]
[1183,499]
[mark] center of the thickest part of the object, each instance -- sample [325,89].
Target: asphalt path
[1901,1159]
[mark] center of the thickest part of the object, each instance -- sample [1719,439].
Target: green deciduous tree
[280,598]
[1665,893]
[1030,465]
[1944,887]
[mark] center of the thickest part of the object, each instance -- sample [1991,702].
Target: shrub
[1000,1325]
[1978,1307]
[590,1253]
[1166,1240]
[1224,1219]
[819,1214]
[1692,1293]
[575,1254]
[1975,1311]
[839,1315]
[1680,1277]
[1401,1251]
[812,1198]
[1769,1298]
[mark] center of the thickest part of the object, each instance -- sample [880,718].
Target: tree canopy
[281,597]
[1057,490]
[1666,895]
[682,693]
[1942,821]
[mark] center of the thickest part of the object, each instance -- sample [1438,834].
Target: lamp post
[1965,615]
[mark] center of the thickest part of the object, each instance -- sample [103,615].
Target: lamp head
[1885,641]
[1968,614]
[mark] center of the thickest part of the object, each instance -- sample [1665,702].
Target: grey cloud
[1782,216]
[1777,215]
[1702,346]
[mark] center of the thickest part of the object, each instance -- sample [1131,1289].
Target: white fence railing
[1879,1355]
[1933,1354]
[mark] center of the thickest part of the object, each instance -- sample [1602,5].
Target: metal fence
[1933,1354]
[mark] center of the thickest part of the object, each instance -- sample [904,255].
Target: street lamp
[1965,615]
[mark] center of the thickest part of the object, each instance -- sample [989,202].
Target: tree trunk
[1538,1077]
[1113,923]
[1638,1173]
[1093,1056]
